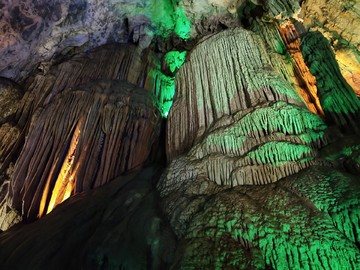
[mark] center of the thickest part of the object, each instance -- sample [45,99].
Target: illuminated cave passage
[179,134]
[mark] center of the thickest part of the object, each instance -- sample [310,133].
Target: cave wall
[179,134]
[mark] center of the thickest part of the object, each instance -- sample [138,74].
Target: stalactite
[175,59]
[86,136]
[113,61]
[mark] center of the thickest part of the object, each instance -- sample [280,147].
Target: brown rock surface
[117,226]
[86,136]
[338,21]
[112,61]
[255,179]
[10,95]
[304,79]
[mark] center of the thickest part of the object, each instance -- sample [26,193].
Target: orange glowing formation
[65,182]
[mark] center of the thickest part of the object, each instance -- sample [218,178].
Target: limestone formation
[86,136]
[338,21]
[179,134]
[305,81]
[266,227]
[337,98]
[237,76]
[117,226]
[113,61]
[10,95]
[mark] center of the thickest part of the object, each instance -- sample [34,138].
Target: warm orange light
[65,182]
[305,80]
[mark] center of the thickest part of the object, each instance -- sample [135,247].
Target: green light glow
[286,118]
[175,59]
[165,85]
[168,18]
[347,151]
[336,95]
[305,222]
[279,121]
[182,24]
[164,91]
[330,194]
[273,152]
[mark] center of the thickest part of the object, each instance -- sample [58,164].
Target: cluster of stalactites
[106,128]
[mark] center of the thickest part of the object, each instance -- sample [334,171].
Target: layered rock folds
[242,121]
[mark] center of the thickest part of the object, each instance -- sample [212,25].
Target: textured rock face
[34,31]
[106,128]
[40,31]
[304,80]
[117,226]
[338,20]
[229,74]
[266,227]
[337,98]
[259,174]
[336,16]
[113,61]
[10,95]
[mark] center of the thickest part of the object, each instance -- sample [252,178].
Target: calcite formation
[116,226]
[10,95]
[338,21]
[103,124]
[235,78]
[113,61]
[337,98]
[266,227]
[179,134]
[304,80]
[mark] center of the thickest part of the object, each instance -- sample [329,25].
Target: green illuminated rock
[226,73]
[175,59]
[337,98]
[304,221]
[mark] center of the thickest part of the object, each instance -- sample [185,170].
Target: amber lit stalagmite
[305,80]
[82,139]
[337,98]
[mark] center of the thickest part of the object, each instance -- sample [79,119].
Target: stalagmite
[237,76]
[337,98]
[257,121]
